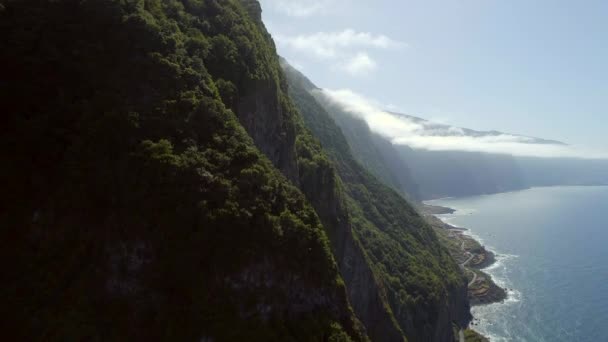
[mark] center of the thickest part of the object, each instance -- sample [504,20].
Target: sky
[536,68]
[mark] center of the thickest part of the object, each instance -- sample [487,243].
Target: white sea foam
[498,271]
[479,239]
[448,220]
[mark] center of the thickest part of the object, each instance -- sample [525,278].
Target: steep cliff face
[380,242]
[372,151]
[139,208]
[422,174]
[151,190]
[253,87]
[401,171]
[454,173]
[275,126]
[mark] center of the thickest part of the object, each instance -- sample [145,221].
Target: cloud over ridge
[421,134]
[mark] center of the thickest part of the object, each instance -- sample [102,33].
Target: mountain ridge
[378,211]
[477,133]
[421,174]
[164,186]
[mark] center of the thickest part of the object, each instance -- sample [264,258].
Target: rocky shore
[472,257]
[429,209]
[482,290]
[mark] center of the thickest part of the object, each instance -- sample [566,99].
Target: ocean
[552,256]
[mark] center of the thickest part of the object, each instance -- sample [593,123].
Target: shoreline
[429,201]
[490,224]
[472,257]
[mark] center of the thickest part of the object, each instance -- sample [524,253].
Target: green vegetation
[372,151]
[417,275]
[138,207]
[152,192]
[449,240]
[462,248]
[473,336]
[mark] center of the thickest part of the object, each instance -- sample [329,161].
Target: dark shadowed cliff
[137,207]
[163,185]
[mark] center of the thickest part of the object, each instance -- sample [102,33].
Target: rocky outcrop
[365,294]
[364,289]
[269,123]
[254,9]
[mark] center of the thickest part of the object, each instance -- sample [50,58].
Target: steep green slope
[136,206]
[424,174]
[422,289]
[372,151]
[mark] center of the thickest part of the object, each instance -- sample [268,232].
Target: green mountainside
[423,286]
[162,185]
[374,152]
[138,206]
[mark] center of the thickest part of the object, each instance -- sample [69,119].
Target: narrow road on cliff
[464,264]
[474,278]
[471,255]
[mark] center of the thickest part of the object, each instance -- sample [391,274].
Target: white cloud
[402,130]
[344,50]
[336,44]
[360,64]
[299,8]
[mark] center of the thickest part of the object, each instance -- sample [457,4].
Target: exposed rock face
[254,9]
[365,294]
[267,121]
[453,308]
[485,291]
[385,318]
[364,289]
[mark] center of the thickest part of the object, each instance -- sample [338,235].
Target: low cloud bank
[421,134]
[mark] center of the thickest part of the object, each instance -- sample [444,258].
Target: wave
[487,316]
[495,314]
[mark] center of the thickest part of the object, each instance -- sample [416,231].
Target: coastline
[472,258]
[540,259]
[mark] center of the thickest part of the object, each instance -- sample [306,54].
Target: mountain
[448,130]
[166,183]
[472,173]
[421,300]
[415,166]
[371,150]
[458,173]
[137,206]
[421,174]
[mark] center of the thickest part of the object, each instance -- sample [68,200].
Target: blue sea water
[552,255]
